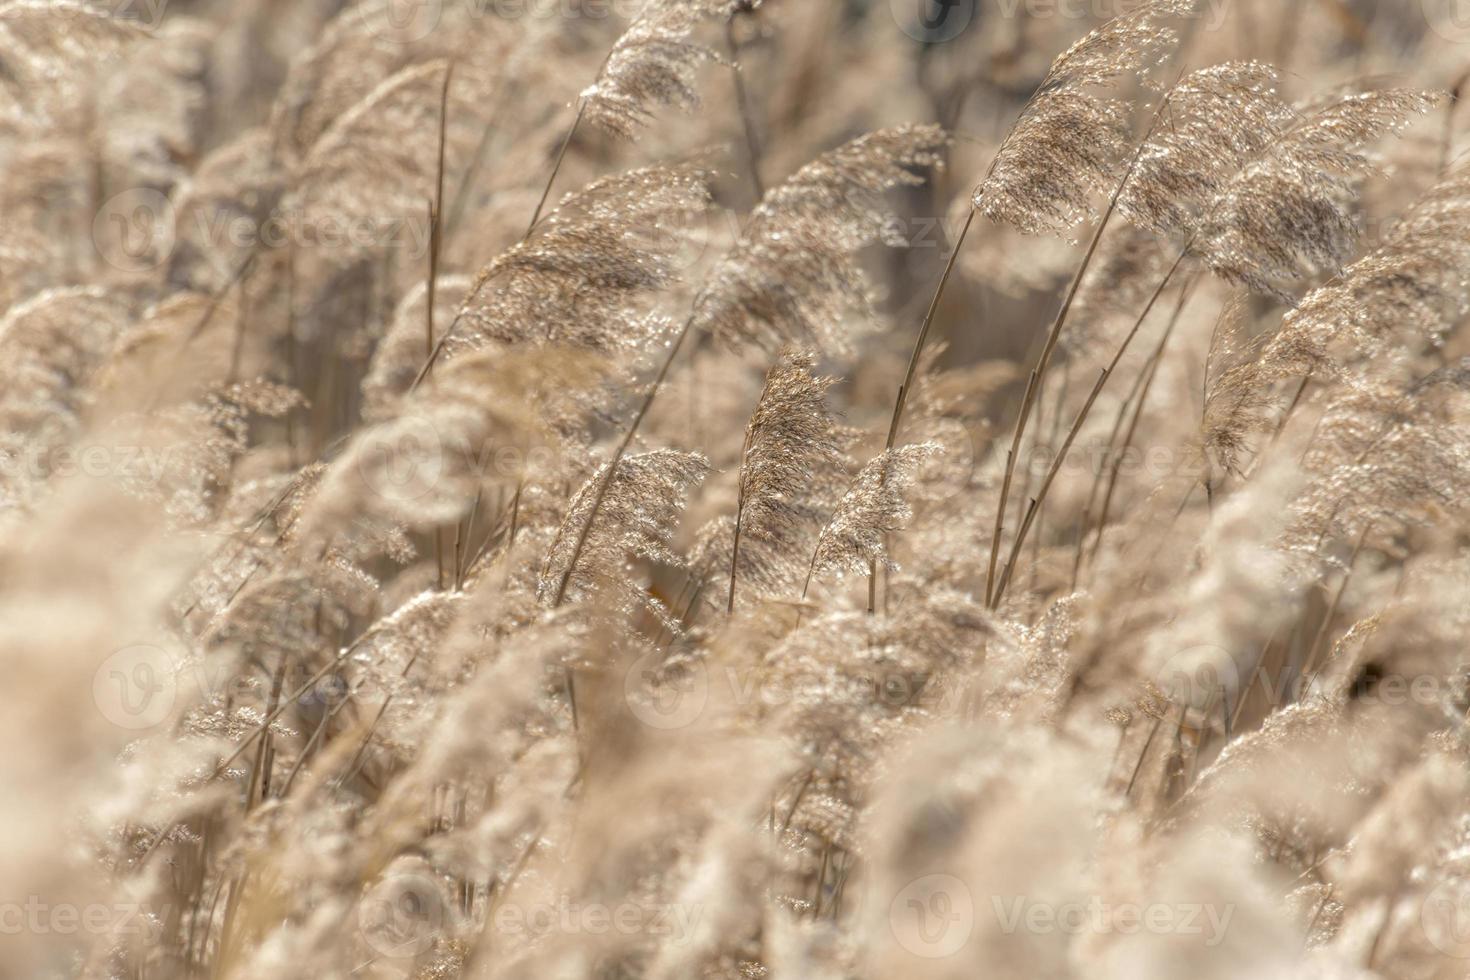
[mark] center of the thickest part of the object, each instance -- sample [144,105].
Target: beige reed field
[694,489]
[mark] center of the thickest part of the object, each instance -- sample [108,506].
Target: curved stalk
[1038,376]
[561,156]
[742,102]
[1061,456]
[1117,462]
[739,518]
[612,466]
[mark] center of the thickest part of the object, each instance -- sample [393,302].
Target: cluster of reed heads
[741,490]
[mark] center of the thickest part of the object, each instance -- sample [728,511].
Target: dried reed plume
[395,587]
[792,455]
[794,277]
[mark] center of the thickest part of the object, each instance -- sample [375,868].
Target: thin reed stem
[1309,663]
[561,156]
[1038,375]
[1051,475]
[1118,458]
[431,285]
[742,102]
[617,458]
[1061,455]
[918,352]
[739,520]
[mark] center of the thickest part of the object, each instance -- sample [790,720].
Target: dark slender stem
[1292,406]
[439,172]
[796,803]
[742,101]
[311,744]
[1005,490]
[1038,375]
[237,350]
[612,466]
[1117,463]
[811,569]
[561,156]
[1127,408]
[1309,665]
[1447,138]
[438,348]
[1148,743]
[739,520]
[908,379]
[901,402]
[735,554]
[692,608]
[456,208]
[431,286]
[429,290]
[1051,475]
[821,880]
[463,539]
